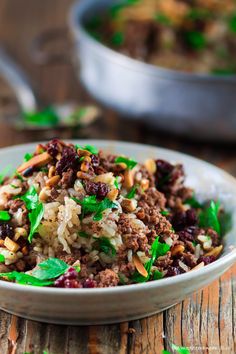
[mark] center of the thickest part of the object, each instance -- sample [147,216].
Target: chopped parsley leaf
[157,249]
[209,217]
[116,183]
[45,117]
[4,215]
[92,205]
[50,268]
[13,186]
[162,19]
[28,157]
[128,162]
[196,40]
[118,39]
[106,246]
[193,202]
[132,192]
[2,258]
[19,176]
[25,279]
[83,234]
[165,212]
[30,198]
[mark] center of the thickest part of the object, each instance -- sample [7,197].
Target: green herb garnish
[106,246]
[2,258]
[132,192]
[30,198]
[92,149]
[50,268]
[193,202]
[162,19]
[128,162]
[232,23]
[116,184]
[165,212]
[92,205]
[157,275]
[83,234]
[28,157]
[4,215]
[25,279]
[196,40]
[13,186]
[4,173]
[209,217]
[118,39]
[19,176]
[157,249]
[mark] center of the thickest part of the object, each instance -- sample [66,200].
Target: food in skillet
[193,36]
[75,217]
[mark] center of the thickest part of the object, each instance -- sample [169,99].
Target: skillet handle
[18,81]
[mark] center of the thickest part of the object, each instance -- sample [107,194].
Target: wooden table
[205,322]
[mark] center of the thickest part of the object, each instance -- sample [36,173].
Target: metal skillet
[197,105]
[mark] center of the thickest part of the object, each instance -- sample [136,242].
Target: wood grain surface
[205,322]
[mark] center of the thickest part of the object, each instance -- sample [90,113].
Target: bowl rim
[227,259]
[75,21]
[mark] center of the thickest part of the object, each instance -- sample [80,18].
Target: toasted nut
[81,152]
[53,181]
[178,249]
[215,252]
[139,266]
[144,184]
[58,157]
[43,195]
[1,243]
[11,245]
[200,265]
[39,149]
[112,195]
[83,175]
[87,159]
[107,178]
[122,165]
[84,166]
[20,231]
[128,179]
[150,165]
[37,160]
[129,204]
[25,250]
[51,171]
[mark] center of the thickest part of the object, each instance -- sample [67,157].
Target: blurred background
[35,35]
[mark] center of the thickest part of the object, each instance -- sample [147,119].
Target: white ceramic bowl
[110,305]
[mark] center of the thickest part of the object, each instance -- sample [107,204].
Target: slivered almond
[53,181]
[37,160]
[200,265]
[178,249]
[11,245]
[150,165]
[139,266]
[112,195]
[215,252]
[128,179]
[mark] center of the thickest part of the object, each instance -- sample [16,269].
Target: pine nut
[112,195]
[11,245]
[150,165]
[178,249]
[128,179]
[53,181]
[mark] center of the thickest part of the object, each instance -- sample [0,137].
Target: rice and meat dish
[192,36]
[75,217]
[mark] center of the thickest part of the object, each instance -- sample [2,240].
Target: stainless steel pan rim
[76,23]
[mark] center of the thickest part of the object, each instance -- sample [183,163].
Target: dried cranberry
[95,161]
[172,271]
[182,219]
[167,175]
[206,259]
[6,230]
[68,160]
[53,147]
[89,283]
[28,172]
[99,189]
[68,280]
[185,236]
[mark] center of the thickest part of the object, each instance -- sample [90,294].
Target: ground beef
[14,205]
[190,260]
[68,179]
[131,238]
[152,198]
[107,278]
[164,261]
[70,258]
[127,269]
